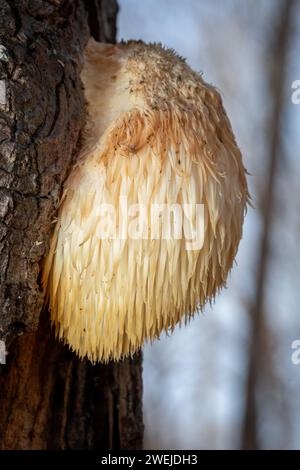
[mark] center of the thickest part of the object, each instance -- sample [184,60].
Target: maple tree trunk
[49,399]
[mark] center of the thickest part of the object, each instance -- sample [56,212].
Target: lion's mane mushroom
[156,134]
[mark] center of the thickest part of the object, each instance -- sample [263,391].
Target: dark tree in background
[49,399]
[278,53]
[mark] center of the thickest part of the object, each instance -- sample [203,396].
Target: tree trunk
[49,399]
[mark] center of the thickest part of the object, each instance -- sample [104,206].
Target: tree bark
[49,399]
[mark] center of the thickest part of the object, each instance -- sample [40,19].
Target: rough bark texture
[49,398]
[52,400]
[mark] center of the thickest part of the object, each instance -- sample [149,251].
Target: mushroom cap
[157,136]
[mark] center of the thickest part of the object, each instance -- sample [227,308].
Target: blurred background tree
[227,380]
[260,375]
